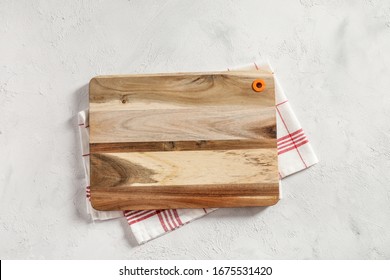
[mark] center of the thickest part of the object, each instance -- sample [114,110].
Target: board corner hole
[258,85]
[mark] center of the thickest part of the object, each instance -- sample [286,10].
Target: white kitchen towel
[294,154]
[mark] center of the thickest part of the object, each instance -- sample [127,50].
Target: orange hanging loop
[258,85]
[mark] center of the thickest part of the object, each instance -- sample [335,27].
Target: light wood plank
[177,108]
[183,167]
[180,125]
[169,91]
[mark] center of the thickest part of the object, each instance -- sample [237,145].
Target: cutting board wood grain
[186,140]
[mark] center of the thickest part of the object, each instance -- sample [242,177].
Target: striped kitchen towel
[294,154]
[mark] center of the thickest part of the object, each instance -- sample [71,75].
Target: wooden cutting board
[187,140]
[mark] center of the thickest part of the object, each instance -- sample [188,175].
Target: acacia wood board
[184,140]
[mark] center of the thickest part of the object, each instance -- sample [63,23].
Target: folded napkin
[294,154]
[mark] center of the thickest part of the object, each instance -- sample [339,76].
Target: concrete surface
[331,56]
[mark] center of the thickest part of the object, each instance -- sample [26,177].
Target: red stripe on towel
[289,143]
[290,134]
[133,216]
[281,103]
[162,220]
[177,217]
[142,218]
[294,147]
[296,136]
[172,219]
[284,123]
[167,219]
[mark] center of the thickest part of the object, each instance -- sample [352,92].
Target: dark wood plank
[186,196]
[201,145]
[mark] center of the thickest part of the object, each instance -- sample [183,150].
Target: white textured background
[332,57]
